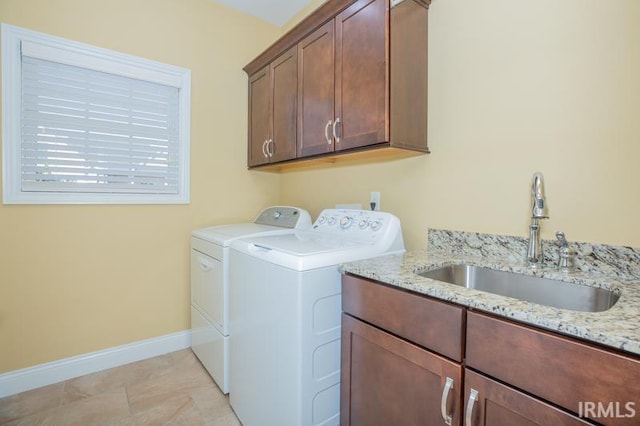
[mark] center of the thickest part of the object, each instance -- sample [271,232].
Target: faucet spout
[535,253]
[538,202]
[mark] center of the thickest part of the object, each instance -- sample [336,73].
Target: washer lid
[305,251]
[306,243]
[223,234]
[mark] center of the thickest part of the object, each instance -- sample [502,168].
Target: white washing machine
[210,282]
[285,316]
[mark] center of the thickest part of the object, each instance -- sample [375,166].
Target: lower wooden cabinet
[490,403]
[408,359]
[389,381]
[596,383]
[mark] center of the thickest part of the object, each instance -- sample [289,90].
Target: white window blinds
[99,128]
[88,131]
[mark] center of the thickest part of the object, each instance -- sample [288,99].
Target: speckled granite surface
[614,268]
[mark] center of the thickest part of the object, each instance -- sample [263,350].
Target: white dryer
[285,316]
[210,282]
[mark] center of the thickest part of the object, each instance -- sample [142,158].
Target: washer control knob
[363,224]
[277,214]
[322,220]
[331,220]
[345,222]
[376,225]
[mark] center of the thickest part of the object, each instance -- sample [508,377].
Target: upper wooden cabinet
[316,83]
[361,78]
[342,78]
[273,95]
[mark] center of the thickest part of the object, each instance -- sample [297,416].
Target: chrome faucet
[535,255]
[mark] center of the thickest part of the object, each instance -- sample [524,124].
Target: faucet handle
[562,239]
[566,257]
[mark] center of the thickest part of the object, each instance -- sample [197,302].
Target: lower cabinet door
[389,381]
[490,403]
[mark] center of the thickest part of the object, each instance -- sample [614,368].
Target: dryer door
[207,290]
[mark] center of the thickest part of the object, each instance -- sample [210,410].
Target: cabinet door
[259,116]
[497,404]
[361,74]
[316,92]
[388,381]
[577,376]
[284,73]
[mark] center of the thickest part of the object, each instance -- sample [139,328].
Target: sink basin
[543,291]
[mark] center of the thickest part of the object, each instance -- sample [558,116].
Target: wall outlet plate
[375,198]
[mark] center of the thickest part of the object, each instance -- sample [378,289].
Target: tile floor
[172,389]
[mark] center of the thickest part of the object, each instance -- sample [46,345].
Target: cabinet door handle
[326,132]
[264,149]
[335,134]
[473,397]
[445,397]
[270,147]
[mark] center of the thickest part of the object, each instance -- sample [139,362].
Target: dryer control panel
[285,217]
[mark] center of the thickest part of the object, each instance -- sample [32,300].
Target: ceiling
[277,12]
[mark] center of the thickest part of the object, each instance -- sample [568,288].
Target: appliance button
[363,224]
[277,214]
[331,220]
[376,225]
[345,222]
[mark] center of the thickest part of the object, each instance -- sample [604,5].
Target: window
[87,125]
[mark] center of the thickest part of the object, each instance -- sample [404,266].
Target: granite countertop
[610,267]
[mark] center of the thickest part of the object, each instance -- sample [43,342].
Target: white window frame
[98,59]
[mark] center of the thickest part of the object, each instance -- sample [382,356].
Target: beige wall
[75,279]
[515,87]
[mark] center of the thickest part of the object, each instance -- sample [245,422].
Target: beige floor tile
[140,371]
[172,389]
[179,382]
[31,402]
[212,403]
[105,409]
[178,410]
[52,417]
[227,420]
[91,385]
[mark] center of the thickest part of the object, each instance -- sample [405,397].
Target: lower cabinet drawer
[592,382]
[435,325]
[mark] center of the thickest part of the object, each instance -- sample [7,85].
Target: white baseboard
[53,372]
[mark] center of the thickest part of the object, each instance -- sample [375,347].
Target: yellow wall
[515,87]
[75,279]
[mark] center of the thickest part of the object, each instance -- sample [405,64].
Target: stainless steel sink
[543,291]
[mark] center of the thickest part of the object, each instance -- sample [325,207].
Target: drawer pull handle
[326,132]
[443,403]
[473,397]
